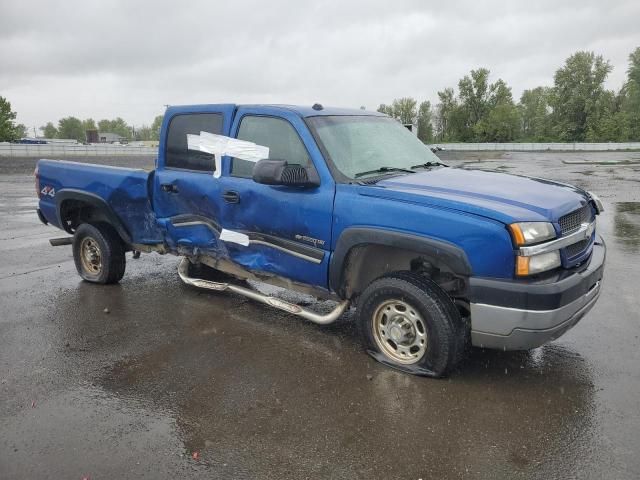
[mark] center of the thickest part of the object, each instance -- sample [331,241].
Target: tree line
[577,108]
[74,128]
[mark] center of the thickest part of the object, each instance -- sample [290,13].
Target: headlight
[537,263]
[528,233]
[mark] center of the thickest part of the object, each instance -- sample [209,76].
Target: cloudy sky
[129,58]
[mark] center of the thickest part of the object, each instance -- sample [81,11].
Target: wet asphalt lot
[170,371]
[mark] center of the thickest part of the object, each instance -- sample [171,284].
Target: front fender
[439,251]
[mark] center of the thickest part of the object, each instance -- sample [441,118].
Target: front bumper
[520,315]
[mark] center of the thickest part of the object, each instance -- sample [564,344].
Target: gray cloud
[124,58]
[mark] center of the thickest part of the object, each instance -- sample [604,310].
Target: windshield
[358,144]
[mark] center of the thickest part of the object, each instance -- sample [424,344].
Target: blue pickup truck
[348,206]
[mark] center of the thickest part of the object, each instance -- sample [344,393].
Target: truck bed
[126,190]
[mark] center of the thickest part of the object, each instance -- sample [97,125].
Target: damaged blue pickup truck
[347,206]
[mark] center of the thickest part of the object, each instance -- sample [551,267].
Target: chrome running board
[332,316]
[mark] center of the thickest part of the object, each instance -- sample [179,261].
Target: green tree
[446,116]
[425,122]
[474,101]
[49,130]
[8,131]
[576,95]
[155,127]
[71,127]
[501,119]
[607,122]
[104,126]
[630,96]
[21,131]
[404,109]
[535,113]
[386,109]
[117,126]
[89,124]
[143,133]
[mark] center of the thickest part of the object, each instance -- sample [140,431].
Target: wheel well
[74,212]
[365,263]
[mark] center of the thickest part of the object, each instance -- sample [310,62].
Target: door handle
[169,187]
[231,197]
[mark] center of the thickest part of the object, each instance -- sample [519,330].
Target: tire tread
[450,329]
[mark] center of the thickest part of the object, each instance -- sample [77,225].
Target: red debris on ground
[196,455]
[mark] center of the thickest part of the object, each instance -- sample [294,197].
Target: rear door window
[177,154]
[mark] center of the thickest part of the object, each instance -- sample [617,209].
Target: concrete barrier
[69,150]
[532,147]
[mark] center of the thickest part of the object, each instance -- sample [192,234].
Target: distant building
[92,136]
[106,137]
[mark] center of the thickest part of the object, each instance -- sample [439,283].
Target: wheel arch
[76,206]
[363,254]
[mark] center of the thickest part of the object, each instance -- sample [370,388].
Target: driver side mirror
[279,172]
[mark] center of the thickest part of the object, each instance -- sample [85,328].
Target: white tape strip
[234,237]
[220,145]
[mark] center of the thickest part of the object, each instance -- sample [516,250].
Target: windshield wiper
[430,165]
[383,170]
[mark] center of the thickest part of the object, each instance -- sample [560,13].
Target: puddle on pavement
[627,225]
[87,415]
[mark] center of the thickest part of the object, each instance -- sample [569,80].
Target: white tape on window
[220,145]
[234,237]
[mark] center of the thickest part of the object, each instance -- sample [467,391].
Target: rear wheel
[99,253]
[407,322]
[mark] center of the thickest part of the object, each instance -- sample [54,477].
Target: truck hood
[499,196]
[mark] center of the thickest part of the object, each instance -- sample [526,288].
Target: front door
[277,229]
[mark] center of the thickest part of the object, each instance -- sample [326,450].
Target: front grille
[577,248]
[572,221]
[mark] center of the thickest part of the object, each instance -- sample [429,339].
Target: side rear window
[279,135]
[177,154]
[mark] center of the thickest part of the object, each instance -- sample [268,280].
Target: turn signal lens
[516,231]
[522,266]
[537,263]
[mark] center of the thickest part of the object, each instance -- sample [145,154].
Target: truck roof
[302,110]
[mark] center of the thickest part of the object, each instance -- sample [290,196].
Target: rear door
[186,196]
[282,230]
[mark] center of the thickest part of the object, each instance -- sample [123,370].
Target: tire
[409,323]
[98,253]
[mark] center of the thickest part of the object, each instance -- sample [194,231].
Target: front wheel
[98,253]
[407,322]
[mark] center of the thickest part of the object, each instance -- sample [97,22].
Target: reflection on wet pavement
[627,225]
